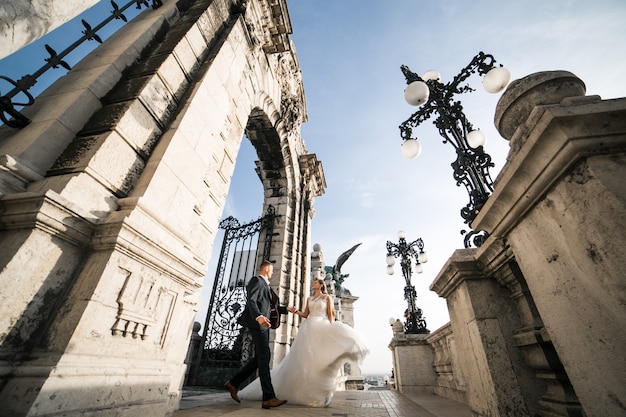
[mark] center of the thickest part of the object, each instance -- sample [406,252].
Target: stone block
[35,147]
[139,129]
[196,41]
[158,100]
[71,108]
[99,80]
[186,56]
[173,77]
[107,157]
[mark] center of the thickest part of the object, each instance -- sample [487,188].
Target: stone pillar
[560,202]
[483,321]
[545,384]
[412,362]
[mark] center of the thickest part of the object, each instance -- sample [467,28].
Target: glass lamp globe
[416,93]
[476,138]
[401,234]
[391,260]
[431,75]
[411,149]
[392,320]
[422,257]
[419,268]
[390,270]
[496,79]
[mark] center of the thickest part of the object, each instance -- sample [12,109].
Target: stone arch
[285,179]
[114,193]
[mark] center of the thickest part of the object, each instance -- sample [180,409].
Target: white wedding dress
[307,375]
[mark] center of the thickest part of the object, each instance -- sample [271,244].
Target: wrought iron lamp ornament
[415,322]
[471,167]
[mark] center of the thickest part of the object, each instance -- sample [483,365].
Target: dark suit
[259,298]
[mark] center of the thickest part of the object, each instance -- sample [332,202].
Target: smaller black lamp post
[415,322]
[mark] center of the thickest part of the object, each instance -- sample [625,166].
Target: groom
[256,318]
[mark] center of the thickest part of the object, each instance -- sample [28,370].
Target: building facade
[110,199]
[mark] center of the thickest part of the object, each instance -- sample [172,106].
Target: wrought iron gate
[225,344]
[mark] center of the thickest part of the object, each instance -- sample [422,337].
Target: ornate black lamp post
[415,323]
[472,164]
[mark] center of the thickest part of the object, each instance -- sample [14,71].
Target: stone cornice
[277,26]
[460,266]
[493,254]
[49,212]
[312,169]
[404,339]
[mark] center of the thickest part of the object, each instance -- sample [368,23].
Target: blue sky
[350,52]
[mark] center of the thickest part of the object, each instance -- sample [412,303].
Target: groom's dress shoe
[274,402]
[232,390]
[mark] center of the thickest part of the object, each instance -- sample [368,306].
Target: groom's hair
[265,263]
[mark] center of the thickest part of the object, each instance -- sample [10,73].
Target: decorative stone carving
[275,19]
[292,97]
[137,304]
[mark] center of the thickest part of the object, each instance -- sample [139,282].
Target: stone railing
[449,376]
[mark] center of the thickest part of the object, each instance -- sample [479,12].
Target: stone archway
[111,197]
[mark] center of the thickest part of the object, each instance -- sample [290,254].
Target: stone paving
[372,403]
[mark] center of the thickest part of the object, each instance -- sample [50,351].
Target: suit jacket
[259,299]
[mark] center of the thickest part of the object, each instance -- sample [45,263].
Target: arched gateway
[110,200]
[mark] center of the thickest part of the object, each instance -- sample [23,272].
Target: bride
[307,375]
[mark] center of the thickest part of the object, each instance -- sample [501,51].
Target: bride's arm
[304,314]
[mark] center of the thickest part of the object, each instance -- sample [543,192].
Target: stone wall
[111,197]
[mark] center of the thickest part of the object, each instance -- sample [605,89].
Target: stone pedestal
[412,363]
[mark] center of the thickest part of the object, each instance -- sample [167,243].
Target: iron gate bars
[223,338]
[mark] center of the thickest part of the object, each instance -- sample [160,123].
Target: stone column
[560,202]
[483,321]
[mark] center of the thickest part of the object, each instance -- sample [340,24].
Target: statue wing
[343,258]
